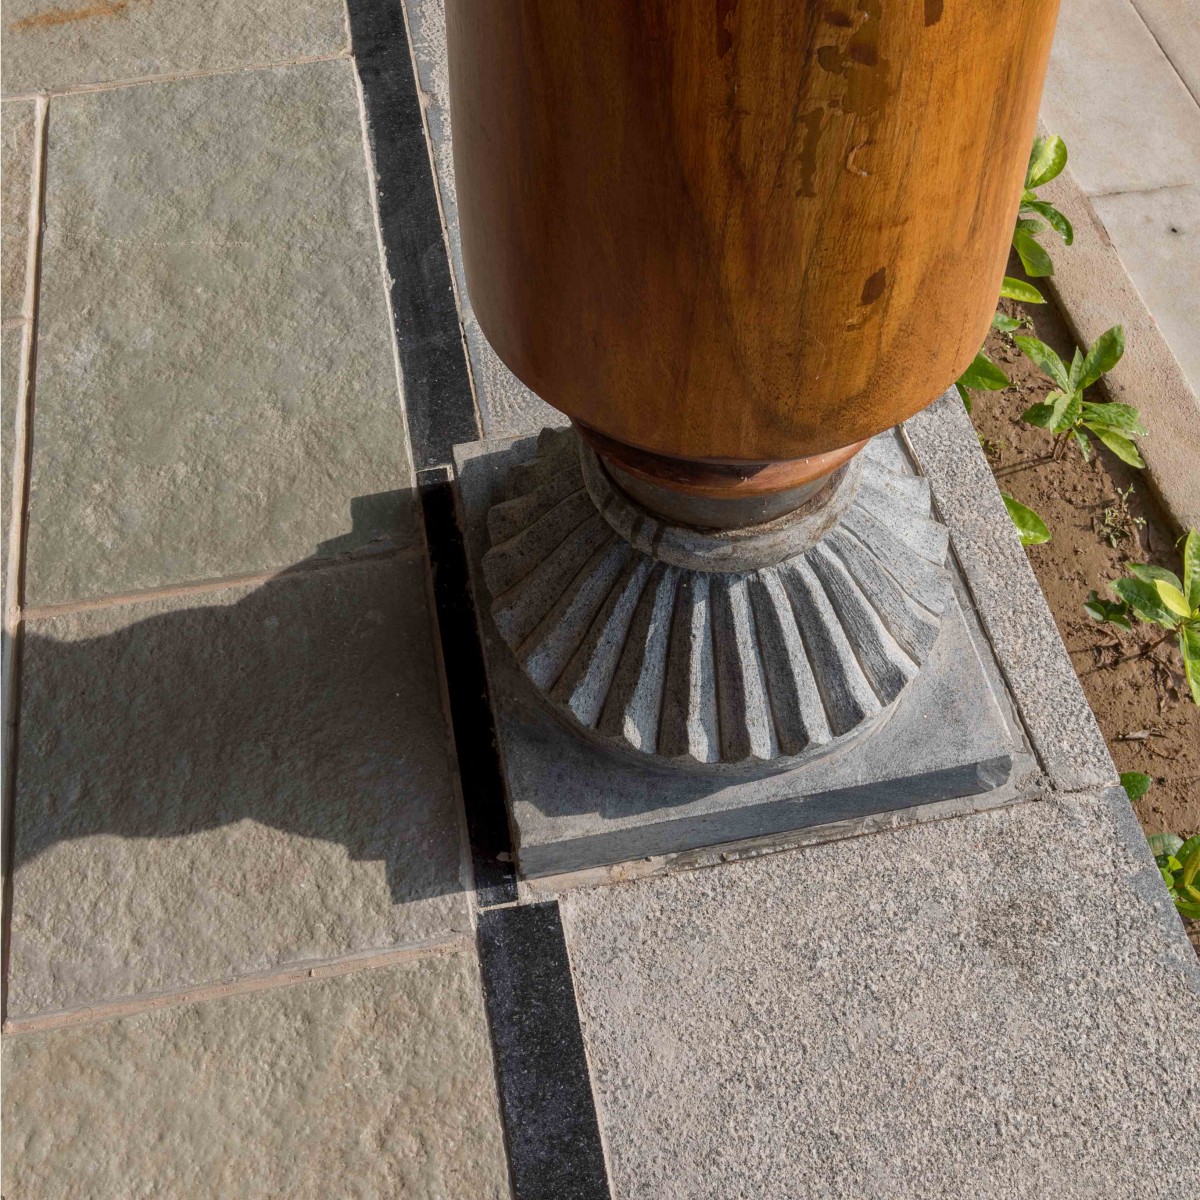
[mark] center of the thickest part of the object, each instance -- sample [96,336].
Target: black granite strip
[470,709]
[437,388]
[553,1137]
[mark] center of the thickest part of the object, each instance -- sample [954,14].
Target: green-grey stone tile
[229,782]
[369,1085]
[216,386]
[18,127]
[49,44]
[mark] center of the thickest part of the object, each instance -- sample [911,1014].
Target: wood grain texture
[747,229]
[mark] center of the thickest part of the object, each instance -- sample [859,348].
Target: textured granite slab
[574,805]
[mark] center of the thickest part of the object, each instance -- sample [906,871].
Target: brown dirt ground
[1139,696]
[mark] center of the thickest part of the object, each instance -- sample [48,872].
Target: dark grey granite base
[574,805]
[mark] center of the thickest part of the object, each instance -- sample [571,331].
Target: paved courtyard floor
[262,935]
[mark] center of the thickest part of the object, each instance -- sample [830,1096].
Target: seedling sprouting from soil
[1067,414]
[1179,864]
[1159,597]
[1046,161]
[1117,523]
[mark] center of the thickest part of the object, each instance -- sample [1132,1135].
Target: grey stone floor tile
[1158,233]
[1127,117]
[936,1012]
[228,782]
[50,44]
[371,1085]
[10,374]
[216,385]
[18,126]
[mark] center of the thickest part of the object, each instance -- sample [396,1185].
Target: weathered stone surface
[1007,598]
[506,405]
[373,1084]
[227,782]
[576,804]
[1159,233]
[216,383]
[49,45]
[18,125]
[935,1012]
[10,375]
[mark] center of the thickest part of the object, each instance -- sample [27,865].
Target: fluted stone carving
[743,650]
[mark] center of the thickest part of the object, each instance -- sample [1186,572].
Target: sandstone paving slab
[225,783]
[1158,233]
[10,376]
[935,1012]
[50,44]
[216,383]
[1129,121]
[18,128]
[367,1085]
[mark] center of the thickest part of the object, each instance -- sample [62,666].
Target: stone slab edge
[1094,292]
[1008,599]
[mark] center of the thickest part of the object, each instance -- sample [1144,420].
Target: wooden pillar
[731,239]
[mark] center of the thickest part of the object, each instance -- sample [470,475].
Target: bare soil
[1102,515]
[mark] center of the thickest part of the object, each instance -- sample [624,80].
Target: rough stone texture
[18,125]
[48,44]
[937,1012]
[216,383]
[575,804]
[1162,228]
[1095,292]
[373,1084]
[228,782]
[10,376]
[1008,600]
[506,405]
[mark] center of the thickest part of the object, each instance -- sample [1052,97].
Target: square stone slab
[953,735]
[216,381]
[229,782]
[369,1085]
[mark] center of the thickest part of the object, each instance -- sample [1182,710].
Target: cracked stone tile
[226,783]
[372,1084]
[52,44]
[216,384]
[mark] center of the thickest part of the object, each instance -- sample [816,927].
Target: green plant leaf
[1031,225]
[1143,598]
[1005,323]
[1044,359]
[1121,417]
[1162,843]
[963,395]
[983,374]
[1018,289]
[1046,160]
[1034,259]
[1188,848]
[1107,611]
[1105,353]
[1085,445]
[1188,909]
[1073,372]
[1056,220]
[1070,413]
[1191,569]
[1191,866]
[1121,446]
[1150,573]
[1136,784]
[1172,598]
[1189,647]
[1031,529]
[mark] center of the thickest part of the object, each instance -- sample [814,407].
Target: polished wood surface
[740,229]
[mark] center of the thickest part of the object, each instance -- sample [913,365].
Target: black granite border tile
[470,708]
[554,1144]
[437,388]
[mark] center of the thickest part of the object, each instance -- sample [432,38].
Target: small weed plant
[1179,864]
[1159,597]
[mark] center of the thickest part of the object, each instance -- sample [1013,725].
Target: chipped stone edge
[1008,599]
